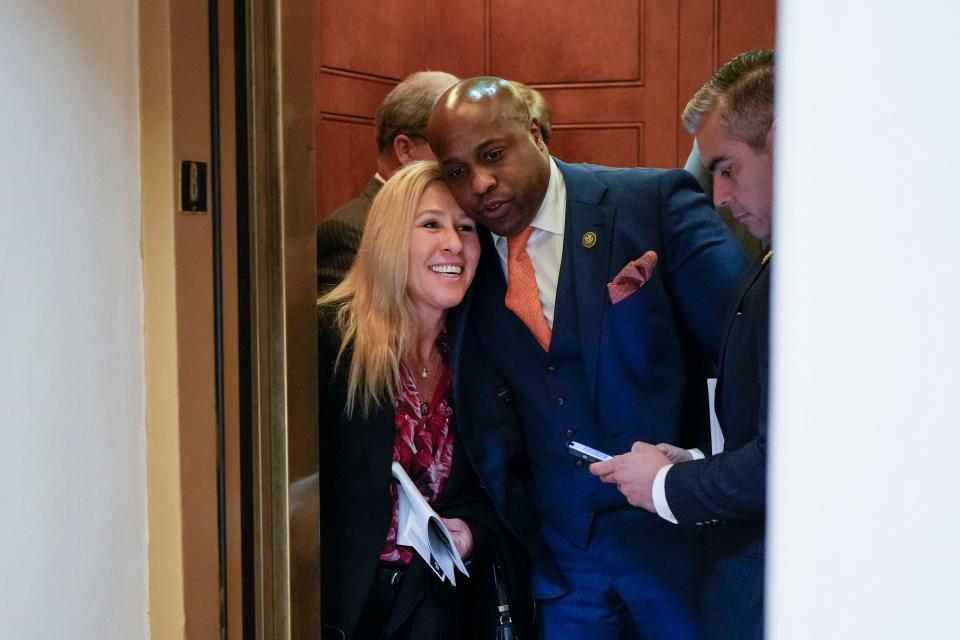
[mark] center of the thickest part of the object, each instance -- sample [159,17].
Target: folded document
[419,526]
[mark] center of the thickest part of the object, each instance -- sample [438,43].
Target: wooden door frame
[282,278]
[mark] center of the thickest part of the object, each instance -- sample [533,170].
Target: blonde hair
[374,314]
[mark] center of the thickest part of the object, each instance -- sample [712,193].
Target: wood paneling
[350,146]
[616,74]
[457,41]
[613,145]
[372,36]
[744,25]
[586,105]
[350,94]
[566,41]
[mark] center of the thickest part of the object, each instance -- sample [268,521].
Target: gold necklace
[424,373]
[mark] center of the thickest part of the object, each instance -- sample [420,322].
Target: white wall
[865,485]
[73,538]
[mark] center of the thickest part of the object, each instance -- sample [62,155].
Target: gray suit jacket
[338,237]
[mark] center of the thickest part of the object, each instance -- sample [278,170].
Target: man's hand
[633,473]
[462,538]
[675,454]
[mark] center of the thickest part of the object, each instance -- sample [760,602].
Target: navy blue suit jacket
[614,373]
[725,494]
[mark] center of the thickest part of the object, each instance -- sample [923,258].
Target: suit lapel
[737,300]
[588,257]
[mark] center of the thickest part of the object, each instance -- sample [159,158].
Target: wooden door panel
[382,38]
[744,25]
[353,140]
[456,39]
[349,94]
[576,105]
[565,41]
[612,145]
[613,69]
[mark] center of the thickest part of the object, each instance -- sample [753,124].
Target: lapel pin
[589,240]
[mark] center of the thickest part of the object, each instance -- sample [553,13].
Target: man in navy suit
[542,356]
[724,494]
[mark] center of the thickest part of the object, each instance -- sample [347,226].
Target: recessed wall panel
[613,145]
[381,38]
[353,95]
[346,158]
[567,41]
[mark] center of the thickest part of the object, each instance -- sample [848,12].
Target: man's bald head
[486,92]
[491,152]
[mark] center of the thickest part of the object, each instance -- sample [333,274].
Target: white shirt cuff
[696,453]
[660,495]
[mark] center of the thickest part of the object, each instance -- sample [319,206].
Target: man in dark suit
[725,494]
[401,124]
[541,356]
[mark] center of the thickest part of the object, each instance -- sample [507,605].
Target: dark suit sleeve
[732,485]
[703,260]
[332,395]
[337,243]
[727,486]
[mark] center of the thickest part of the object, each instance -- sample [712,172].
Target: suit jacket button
[560,401]
[569,433]
[551,368]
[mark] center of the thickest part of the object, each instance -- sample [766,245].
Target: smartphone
[585,453]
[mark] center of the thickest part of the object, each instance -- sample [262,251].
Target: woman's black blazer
[355,511]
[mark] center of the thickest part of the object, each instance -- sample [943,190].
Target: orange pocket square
[632,277]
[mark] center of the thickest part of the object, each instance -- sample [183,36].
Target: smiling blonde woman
[386,396]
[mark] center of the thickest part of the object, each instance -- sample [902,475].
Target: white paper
[419,526]
[716,433]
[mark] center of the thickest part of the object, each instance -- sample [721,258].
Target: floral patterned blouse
[423,445]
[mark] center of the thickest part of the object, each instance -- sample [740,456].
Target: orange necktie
[523,297]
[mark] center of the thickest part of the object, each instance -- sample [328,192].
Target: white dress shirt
[716,446]
[545,246]
[660,489]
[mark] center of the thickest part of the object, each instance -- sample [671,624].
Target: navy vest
[553,400]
